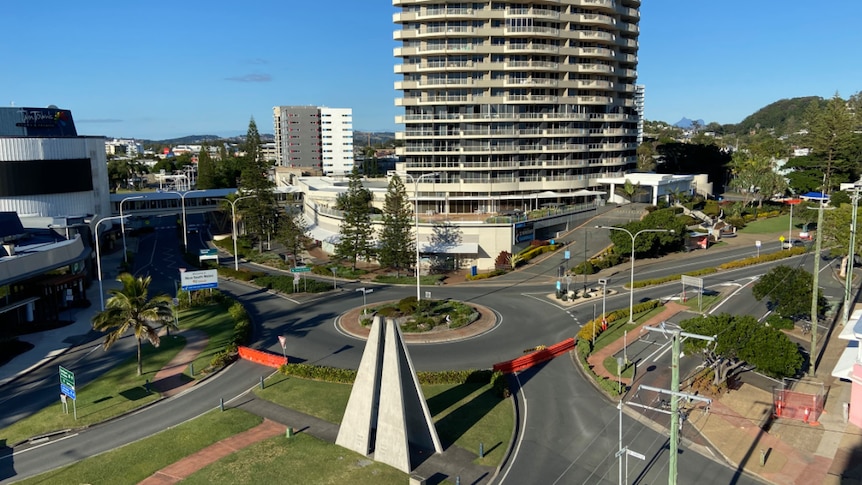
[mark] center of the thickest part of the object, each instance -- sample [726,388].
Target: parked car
[792,243]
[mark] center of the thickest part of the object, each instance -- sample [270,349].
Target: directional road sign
[67,382]
[300,269]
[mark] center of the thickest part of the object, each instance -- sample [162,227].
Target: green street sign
[67,377]
[301,269]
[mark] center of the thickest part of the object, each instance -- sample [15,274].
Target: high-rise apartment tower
[513,104]
[316,137]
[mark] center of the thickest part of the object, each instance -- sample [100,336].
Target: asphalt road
[569,431]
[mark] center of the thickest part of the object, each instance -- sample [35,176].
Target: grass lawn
[771,225]
[617,329]
[465,414]
[611,366]
[218,325]
[300,459]
[134,462]
[117,391]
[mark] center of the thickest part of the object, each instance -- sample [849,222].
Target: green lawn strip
[116,392]
[465,414]
[218,325]
[300,459]
[705,303]
[617,329]
[325,400]
[611,366]
[480,416]
[135,462]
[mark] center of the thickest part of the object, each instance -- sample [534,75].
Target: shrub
[408,305]
[502,261]
[482,276]
[777,321]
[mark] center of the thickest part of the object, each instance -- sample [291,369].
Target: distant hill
[783,117]
[686,123]
[364,138]
[200,139]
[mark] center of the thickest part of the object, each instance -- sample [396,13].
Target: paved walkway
[170,379]
[182,469]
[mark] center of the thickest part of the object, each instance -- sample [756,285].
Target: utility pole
[815,291]
[851,256]
[675,394]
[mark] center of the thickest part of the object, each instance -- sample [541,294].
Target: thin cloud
[99,120]
[251,78]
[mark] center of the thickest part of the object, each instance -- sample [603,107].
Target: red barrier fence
[534,358]
[261,357]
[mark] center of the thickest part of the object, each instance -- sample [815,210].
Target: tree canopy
[788,291]
[741,339]
[130,308]
[397,247]
[355,229]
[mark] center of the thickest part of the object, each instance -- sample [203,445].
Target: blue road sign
[68,391]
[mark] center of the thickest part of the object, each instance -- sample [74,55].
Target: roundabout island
[349,323]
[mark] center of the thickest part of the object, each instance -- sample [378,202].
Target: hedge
[497,380]
[674,277]
[482,276]
[587,331]
[764,258]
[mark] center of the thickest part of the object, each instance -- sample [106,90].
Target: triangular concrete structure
[360,416]
[387,386]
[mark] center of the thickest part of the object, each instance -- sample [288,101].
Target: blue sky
[161,69]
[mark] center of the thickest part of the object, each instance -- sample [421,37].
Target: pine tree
[356,231]
[207,178]
[260,212]
[292,229]
[396,249]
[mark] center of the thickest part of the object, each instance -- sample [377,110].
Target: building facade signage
[523,232]
[46,122]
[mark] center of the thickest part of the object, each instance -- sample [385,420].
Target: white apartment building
[319,138]
[128,147]
[505,103]
[336,138]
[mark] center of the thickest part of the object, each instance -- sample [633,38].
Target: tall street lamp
[632,283]
[233,216]
[416,214]
[185,228]
[123,225]
[99,260]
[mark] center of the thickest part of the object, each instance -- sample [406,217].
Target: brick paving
[183,468]
[170,379]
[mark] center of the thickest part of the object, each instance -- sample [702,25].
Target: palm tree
[129,308]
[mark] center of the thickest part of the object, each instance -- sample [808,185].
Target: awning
[844,367]
[317,232]
[463,248]
[584,192]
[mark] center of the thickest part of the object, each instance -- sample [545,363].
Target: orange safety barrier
[261,357]
[534,358]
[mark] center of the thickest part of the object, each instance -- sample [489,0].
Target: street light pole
[185,228]
[123,225]
[99,260]
[416,214]
[632,281]
[233,218]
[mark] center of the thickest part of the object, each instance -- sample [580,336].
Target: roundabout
[348,323]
